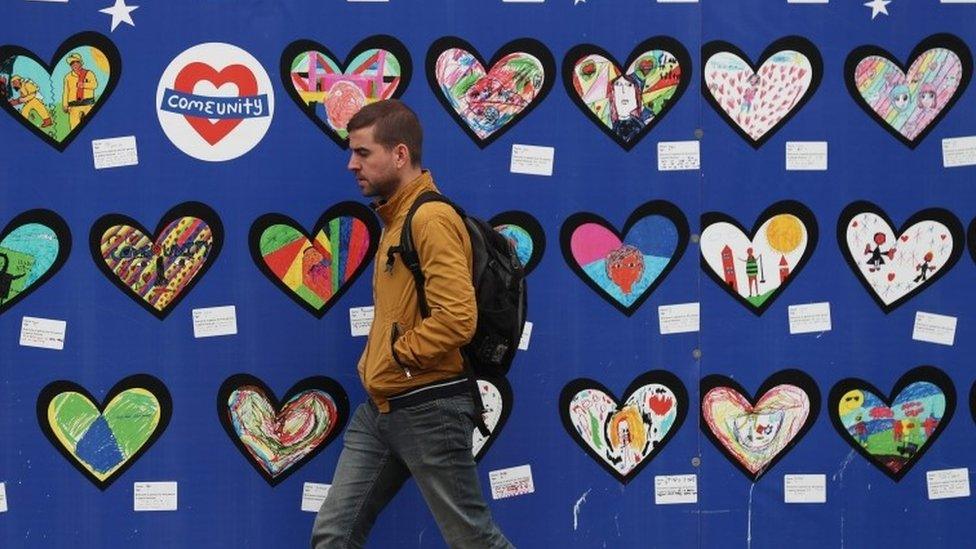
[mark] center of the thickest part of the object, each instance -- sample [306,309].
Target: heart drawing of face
[908,103]
[892,264]
[315,271]
[103,440]
[330,92]
[755,434]
[56,100]
[279,437]
[757,102]
[488,102]
[158,269]
[893,433]
[627,102]
[33,247]
[756,267]
[623,437]
[625,267]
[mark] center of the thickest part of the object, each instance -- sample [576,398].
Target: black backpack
[499,288]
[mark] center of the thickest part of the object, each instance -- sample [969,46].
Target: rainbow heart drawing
[279,437]
[330,92]
[315,271]
[157,270]
[754,434]
[103,440]
[488,102]
[624,267]
[33,247]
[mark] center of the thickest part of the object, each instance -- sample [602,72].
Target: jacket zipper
[395,335]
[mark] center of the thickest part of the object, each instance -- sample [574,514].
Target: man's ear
[402,153]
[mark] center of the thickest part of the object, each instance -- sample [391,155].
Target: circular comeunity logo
[215,102]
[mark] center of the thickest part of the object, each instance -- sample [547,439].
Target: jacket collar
[397,206]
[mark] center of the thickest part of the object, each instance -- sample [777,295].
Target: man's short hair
[393,123]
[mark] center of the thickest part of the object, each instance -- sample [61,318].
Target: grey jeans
[429,441]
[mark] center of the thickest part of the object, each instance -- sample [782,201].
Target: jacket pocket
[394,336]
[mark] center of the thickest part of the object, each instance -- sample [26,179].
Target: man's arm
[439,241]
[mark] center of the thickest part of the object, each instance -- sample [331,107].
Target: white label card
[948,483]
[678,155]
[360,320]
[805,488]
[959,151]
[679,318]
[44,333]
[958,1]
[511,482]
[50,1]
[532,160]
[154,496]
[806,155]
[3,497]
[807,1]
[933,328]
[115,152]
[215,321]
[313,495]
[809,318]
[526,336]
[675,489]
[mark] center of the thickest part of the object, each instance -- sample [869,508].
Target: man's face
[76,66]
[374,166]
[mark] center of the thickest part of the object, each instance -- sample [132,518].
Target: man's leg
[367,477]
[434,440]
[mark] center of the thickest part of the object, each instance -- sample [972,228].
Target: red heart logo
[904,238]
[891,276]
[247,84]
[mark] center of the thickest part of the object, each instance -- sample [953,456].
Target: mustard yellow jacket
[405,351]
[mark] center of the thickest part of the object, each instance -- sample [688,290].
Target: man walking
[418,420]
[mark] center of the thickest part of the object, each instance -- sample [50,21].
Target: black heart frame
[929,374]
[348,208]
[52,221]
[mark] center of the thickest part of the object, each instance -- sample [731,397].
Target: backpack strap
[408,254]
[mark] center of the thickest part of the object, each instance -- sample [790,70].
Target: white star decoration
[877,7]
[120,13]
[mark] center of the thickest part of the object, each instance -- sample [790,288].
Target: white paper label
[154,496]
[526,336]
[678,155]
[948,483]
[42,332]
[360,320]
[807,1]
[806,155]
[958,1]
[511,482]
[115,152]
[313,495]
[809,317]
[933,328]
[674,489]
[3,497]
[679,318]
[805,488]
[959,151]
[215,321]
[50,1]
[532,160]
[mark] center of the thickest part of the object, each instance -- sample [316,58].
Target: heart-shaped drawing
[627,103]
[56,100]
[909,102]
[279,437]
[625,267]
[624,437]
[526,235]
[315,271]
[496,397]
[755,433]
[488,102]
[756,267]
[330,92]
[33,247]
[893,433]
[158,269]
[238,76]
[894,266]
[757,102]
[104,440]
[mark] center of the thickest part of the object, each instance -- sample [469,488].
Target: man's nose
[352,165]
